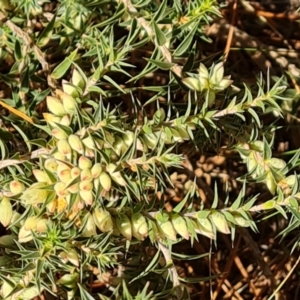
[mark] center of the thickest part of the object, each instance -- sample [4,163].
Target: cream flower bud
[41,176]
[103,220]
[69,88]
[124,225]
[41,225]
[51,164]
[60,189]
[220,222]
[51,206]
[59,134]
[24,235]
[115,175]
[65,120]
[68,101]
[59,156]
[89,228]
[31,223]
[168,230]
[84,163]
[86,175]
[180,226]
[74,189]
[16,187]
[128,138]
[61,166]
[77,79]
[75,172]
[89,152]
[64,175]
[64,147]
[139,226]
[87,197]
[6,211]
[76,143]
[96,183]
[51,119]
[105,181]
[86,186]
[96,170]
[55,106]
[89,142]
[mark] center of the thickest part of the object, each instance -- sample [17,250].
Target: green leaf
[4,150]
[292,162]
[281,211]
[159,35]
[220,222]
[29,293]
[154,262]
[267,152]
[18,50]
[179,207]
[156,55]
[25,81]
[63,67]
[255,116]
[185,44]
[188,257]
[236,204]
[46,34]
[188,66]
[160,13]
[42,143]
[161,64]
[84,295]
[112,82]
[116,16]
[24,136]
[216,198]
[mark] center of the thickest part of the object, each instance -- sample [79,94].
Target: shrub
[84,211]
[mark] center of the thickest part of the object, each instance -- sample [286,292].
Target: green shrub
[83,204]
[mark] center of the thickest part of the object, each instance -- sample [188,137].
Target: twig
[227,268]
[231,30]
[163,48]
[30,44]
[285,279]
[257,254]
[294,82]
[173,271]
[242,38]
[34,154]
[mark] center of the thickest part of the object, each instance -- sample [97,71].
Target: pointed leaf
[185,44]
[160,37]
[63,67]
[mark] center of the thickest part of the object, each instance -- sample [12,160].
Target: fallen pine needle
[16,112]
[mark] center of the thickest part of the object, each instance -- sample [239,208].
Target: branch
[30,44]
[34,154]
[163,49]
[173,271]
